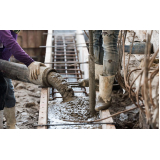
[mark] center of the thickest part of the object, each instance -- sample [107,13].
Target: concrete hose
[47,78]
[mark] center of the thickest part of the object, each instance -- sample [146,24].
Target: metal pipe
[71,124]
[59,47]
[67,62]
[92,95]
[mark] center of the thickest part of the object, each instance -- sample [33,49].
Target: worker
[8,47]
[98,55]
[109,68]
[106,64]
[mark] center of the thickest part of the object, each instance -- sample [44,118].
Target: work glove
[34,69]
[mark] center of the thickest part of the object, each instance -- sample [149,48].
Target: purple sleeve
[12,47]
[14,35]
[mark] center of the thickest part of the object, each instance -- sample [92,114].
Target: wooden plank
[19,40]
[30,52]
[31,39]
[24,39]
[106,113]
[38,38]
[43,111]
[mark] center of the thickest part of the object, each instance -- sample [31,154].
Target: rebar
[92,94]
[73,124]
[147,105]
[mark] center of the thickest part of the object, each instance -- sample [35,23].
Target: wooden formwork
[43,111]
[30,40]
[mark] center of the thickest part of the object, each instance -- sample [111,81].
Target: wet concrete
[76,110]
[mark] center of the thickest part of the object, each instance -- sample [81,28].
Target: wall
[30,40]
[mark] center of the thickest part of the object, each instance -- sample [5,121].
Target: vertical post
[92,94]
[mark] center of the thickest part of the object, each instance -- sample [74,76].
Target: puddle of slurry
[76,110]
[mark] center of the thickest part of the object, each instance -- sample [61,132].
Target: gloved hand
[34,69]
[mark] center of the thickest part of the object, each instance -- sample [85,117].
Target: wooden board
[31,39]
[43,111]
[24,39]
[103,114]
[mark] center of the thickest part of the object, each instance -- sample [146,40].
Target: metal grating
[66,62]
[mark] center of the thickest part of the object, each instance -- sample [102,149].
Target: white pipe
[83,54]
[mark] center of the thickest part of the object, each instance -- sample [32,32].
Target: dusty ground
[27,104]
[121,102]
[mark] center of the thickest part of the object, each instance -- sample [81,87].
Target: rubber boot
[1,119]
[85,82]
[9,114]
[105,91]
[101,105]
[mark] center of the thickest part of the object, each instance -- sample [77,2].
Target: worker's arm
[8,38]
[12,47]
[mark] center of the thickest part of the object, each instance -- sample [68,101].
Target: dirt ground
[121,102]
[27,104]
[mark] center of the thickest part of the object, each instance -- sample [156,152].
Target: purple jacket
[10,46]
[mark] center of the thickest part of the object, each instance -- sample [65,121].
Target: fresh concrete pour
[75,110]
